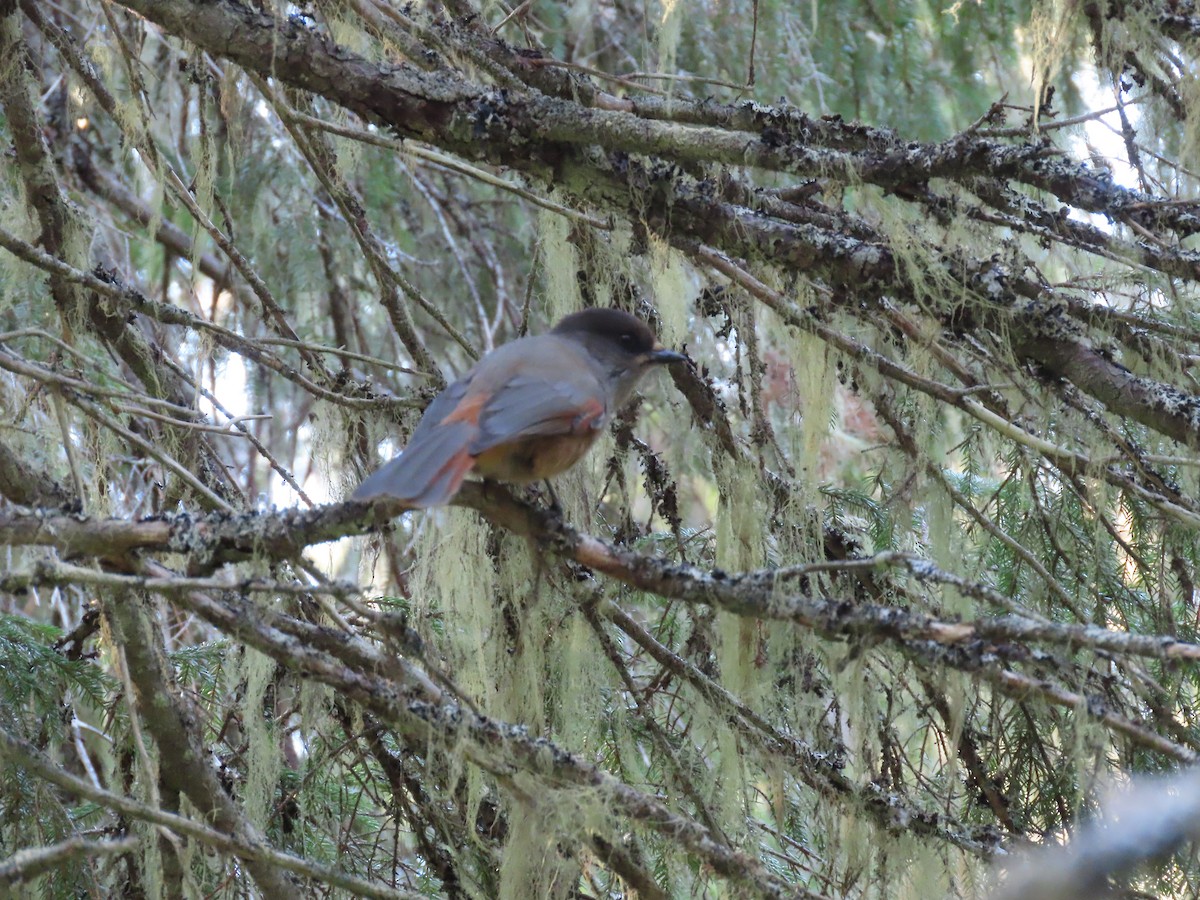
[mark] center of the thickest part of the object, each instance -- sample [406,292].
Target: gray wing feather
[528,406]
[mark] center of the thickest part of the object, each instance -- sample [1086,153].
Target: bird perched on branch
[527,411]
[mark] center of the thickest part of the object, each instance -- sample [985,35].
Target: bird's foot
[555,508]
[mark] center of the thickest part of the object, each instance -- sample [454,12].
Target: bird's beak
[660,355]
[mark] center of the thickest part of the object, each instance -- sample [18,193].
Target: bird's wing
[440,407]
[531,405]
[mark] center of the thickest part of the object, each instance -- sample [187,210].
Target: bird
[527,411]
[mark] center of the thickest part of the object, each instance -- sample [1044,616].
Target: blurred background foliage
[845,764]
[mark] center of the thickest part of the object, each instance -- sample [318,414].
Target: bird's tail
[430,470]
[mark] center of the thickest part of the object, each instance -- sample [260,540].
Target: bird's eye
[627,338]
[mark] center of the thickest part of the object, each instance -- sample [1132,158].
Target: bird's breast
[534,458]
